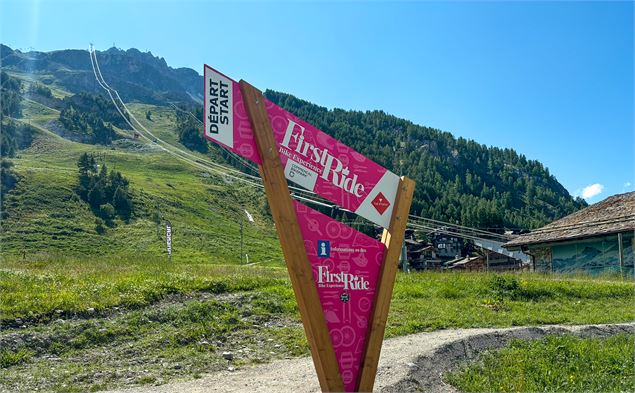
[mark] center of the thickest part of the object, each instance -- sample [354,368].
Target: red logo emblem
[380,203]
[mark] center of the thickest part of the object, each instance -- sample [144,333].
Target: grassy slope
[46,217]
[554,364]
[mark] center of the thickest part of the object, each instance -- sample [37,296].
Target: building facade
[597,240]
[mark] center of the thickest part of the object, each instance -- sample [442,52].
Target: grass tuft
[11,358]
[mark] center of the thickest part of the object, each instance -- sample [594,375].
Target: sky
[552,80]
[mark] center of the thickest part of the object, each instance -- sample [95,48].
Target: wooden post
[393,238]
[292,243]
[486,260]
[620,250]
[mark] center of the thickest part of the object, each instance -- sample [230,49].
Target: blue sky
[552,80]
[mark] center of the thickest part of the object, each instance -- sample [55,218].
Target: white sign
[219,108]
[168,237]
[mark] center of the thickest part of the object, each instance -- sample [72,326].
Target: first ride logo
[332,167]
[343,280]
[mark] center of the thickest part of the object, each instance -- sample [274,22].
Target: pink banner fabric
[311,158]
[345,266]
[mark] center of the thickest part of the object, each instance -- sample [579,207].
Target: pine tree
[122,203]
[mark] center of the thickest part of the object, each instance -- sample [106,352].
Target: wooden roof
[612,215]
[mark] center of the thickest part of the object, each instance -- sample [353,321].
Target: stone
[228,355]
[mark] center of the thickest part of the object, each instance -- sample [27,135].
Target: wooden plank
[620,253]
[292,243]
[393,239]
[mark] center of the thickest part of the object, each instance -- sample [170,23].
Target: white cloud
[592,190]
[627,185]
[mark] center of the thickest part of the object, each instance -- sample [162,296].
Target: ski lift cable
[112,98]
[234,155]
[454,225]
[109,89]
[184,152]
[240,158]
[194,163]
[459,228]
[298,193]
[444,230]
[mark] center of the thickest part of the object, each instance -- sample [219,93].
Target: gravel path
[407,364]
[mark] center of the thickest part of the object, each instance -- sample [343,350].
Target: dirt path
[407,364]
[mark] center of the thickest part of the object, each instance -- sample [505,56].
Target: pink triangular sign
[345,266]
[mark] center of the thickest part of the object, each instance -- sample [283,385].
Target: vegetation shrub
[10,96]
[505,287]
[11,358]
[190,131]
[100,226]
[41,90]
[14,137]
[106,192]
[88,123]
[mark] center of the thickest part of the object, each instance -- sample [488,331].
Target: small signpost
[342,279]
[168,239]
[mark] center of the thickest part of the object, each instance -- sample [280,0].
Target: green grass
[46,217]
[40,289]
[34,289]
[431,301]
[554,364]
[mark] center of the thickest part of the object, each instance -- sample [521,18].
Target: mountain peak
[138,76]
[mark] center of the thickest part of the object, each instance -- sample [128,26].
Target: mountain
[458,180]
[138,76]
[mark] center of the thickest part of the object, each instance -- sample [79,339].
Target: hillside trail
[407,364]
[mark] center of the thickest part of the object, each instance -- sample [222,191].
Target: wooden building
[596,240]
[485,260]
[434,254]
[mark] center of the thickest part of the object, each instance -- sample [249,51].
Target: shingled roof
[612,215]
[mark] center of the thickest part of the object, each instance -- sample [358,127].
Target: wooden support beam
[393,238]
[292,243]
[620,251]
